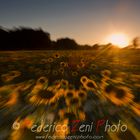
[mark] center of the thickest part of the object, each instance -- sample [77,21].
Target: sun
[118,39]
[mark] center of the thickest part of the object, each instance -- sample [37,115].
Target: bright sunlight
[119,39]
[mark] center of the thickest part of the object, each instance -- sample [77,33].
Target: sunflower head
[109,88]
[50,59]
[10,76]
[64,83]
[45,94]
[27,85]
[61,70]
[88,84]
[83,79]
[80,65]
[42,80]
[106,73]
[83,60]
[75,97]
[63,64]
[57,84]
[82,95]
[120,95]
[54,72]
[69,94]
[74,73]
[93,66]
[91,84]
[56,55]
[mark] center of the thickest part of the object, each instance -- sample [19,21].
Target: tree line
[24,38]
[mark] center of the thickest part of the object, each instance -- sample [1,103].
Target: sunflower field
[41,90]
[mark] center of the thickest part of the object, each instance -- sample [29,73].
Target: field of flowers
[59,87]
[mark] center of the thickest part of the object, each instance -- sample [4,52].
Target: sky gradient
[87,21]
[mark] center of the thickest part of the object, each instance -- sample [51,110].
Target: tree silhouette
[136,42]
[24,39]
[66,44]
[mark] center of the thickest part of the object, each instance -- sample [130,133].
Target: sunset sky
[87,21]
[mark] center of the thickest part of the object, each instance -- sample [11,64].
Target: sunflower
[80,65]
[57,84]
[9,95]
[54,72]
[27,85]
[88,84]
[74,73]
[74,97]
[118,95]
[50,59]
[41,81]
[61,70]
[57,55]
[93,66]
[63,64]
[43,96]
[106,74]
[10,76]
[82,95]
[71,98]
[40,84]
[64,83]
[69,94]
[83,60]
[83,79]
[12,99]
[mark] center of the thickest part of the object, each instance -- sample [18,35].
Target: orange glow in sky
[119,39]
